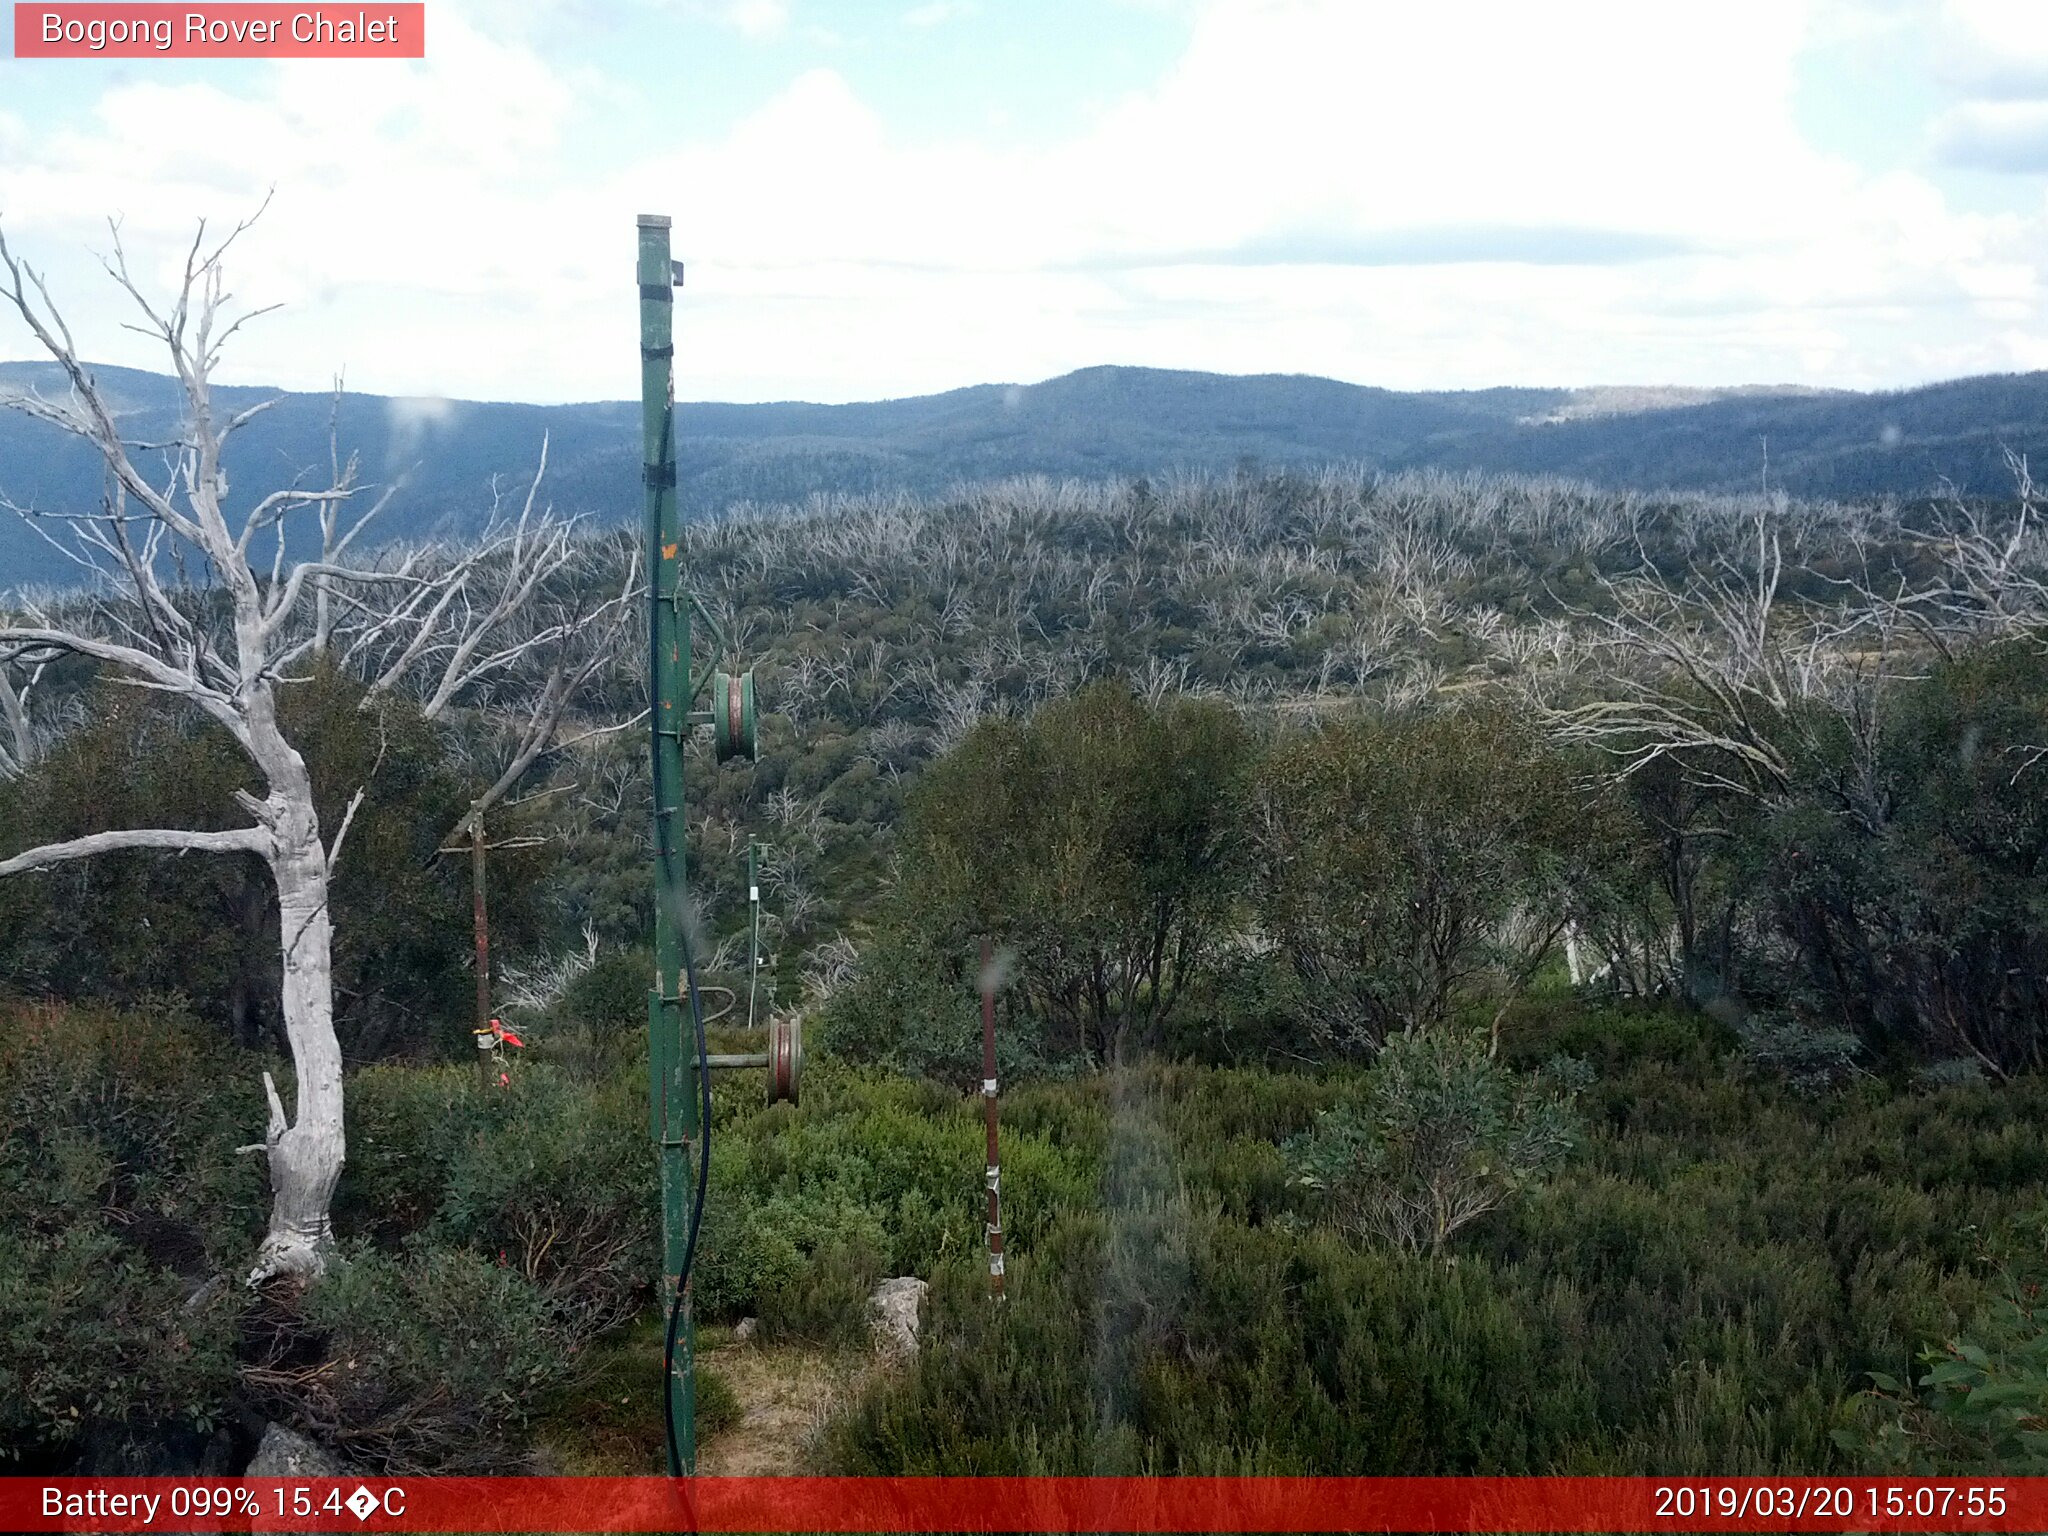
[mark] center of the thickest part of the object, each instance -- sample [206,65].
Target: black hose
[675,1306]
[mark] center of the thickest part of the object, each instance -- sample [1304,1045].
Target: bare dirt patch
[786,1393]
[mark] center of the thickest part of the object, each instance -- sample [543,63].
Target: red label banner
[214,31]
[377,1504]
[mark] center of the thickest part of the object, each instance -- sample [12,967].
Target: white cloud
[2007,136]
[1993,47]
[1467,193]
[1993,54]
[432,181]
[758,18]
[1397,148]
[938,12]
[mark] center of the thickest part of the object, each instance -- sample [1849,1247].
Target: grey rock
[287,1453]
[894,1311]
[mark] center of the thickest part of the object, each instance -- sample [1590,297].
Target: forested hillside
[1497,976]
[1112,423]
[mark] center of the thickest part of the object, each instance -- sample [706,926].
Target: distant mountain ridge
[1099,422]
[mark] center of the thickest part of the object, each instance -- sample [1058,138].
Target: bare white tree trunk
[306,1154]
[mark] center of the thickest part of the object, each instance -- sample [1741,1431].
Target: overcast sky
[880,199]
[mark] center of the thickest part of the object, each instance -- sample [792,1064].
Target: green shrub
[133,1113]
[1251,1012]
[1441,1135]
[756,1251]
[560,1183]
[433,1362]
[1810,1059]
[1703,1286]
[1399,863]
[611,996]
[1904,870]
[1612,1035]
[872,1176]
[1983,1400]
[1098,843]
[93,1334]
[826,1301]
[1174,1343]
[554,1174]
[120,1197]
[912,1007]
[406,1128]
[1998,1396]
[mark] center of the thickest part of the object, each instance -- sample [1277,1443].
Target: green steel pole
[672,1058]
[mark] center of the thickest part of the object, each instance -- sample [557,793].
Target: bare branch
[176,840]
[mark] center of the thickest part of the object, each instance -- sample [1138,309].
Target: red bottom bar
[1474,1504]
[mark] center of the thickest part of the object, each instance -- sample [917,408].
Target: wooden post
[988,1098]
[483,950]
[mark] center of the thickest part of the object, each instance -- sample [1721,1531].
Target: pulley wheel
[733,732]
[785,1058]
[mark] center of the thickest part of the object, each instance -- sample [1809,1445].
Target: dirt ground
[787,1394]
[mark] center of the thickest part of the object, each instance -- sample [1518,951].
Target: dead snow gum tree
[225,648]
[259,619]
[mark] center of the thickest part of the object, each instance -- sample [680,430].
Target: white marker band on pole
[988,1087]
[995,1178]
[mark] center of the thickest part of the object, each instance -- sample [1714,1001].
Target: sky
[877,198]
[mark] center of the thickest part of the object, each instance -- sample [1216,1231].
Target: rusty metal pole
[481,1039]
[988,1099]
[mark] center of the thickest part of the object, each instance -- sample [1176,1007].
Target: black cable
[675,1306]
[675,1309]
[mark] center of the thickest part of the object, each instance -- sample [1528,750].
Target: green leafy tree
[1098,842]
[1411,867]
[1905,873]
[1670,915]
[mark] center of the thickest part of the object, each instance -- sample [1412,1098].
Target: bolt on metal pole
[672,1059]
